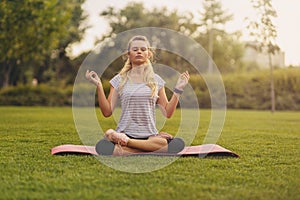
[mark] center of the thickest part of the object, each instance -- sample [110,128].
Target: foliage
[214,16]
[35,37]
[126,19]
[58,65]
[225,49]
[262,30]
[243,91]
[267,169]
[30,31]
[121,20]
[252,91]
[41,95]
[228,51]
[264,33]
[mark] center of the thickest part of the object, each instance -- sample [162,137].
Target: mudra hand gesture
[93,77]
[182,82]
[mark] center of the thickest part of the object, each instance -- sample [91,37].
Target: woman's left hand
[182,81]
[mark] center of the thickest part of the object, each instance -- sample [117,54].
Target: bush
[41,95]
[243,91]
[252,91]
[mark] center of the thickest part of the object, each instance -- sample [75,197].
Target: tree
[228,51]
[29,32]
[135,15]
[212,22]
[264,33]
[58,65]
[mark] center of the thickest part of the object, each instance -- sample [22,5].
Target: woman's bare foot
[117,138]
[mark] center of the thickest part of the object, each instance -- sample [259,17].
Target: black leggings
[168,139]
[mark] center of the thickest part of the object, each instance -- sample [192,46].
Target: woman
[139,90]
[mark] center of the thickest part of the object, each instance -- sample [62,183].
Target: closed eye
[137,48]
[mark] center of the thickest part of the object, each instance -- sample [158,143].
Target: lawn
[267,169]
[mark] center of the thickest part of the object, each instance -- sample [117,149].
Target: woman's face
[138,52]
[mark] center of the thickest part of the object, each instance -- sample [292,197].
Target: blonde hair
[148,74]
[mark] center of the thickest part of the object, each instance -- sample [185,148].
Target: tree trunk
[272,85]
[210,50]
[6,75]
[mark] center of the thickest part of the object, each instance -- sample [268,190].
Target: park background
[38,67]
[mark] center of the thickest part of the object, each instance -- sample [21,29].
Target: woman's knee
[158,140]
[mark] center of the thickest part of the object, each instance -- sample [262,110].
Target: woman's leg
[163,142]
[153,143]
[158,144]
[124,150]
[106,147]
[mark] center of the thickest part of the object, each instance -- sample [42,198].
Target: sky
[287,22]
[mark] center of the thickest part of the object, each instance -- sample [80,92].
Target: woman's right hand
[93,77]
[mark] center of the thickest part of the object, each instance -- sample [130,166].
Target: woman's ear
[150,55]
[125,56]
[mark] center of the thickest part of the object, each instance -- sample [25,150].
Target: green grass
[269,146]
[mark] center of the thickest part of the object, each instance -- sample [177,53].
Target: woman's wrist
[98,83]
[177,91]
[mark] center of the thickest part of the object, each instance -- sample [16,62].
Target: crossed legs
[151,144]
[159,143]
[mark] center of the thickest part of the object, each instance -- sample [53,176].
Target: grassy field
[269,146]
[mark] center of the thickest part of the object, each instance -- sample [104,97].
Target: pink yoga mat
[197,151]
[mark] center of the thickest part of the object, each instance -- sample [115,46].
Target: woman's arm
[168,107]
[106,105]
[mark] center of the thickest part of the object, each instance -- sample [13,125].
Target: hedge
[252,91]
[243,91]
[41,95]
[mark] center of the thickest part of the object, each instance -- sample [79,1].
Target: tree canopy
[224,48]
[30,31]
[35,34]
[228,50]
